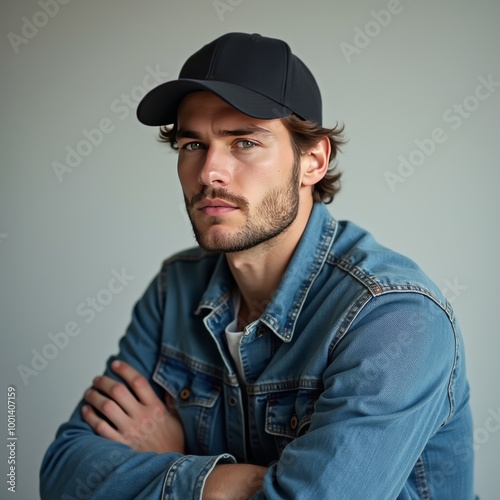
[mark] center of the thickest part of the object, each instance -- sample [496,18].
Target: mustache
[219,193]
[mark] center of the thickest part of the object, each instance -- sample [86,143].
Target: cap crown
[257,75]
[264,65]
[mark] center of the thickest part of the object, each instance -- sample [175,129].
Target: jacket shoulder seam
[366,297]
[376,289]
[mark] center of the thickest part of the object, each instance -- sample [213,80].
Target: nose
[215,170]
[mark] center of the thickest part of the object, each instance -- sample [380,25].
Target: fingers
[116,401]
[137,382]
[111,409]
[129,412]
[116,391]
[100,426]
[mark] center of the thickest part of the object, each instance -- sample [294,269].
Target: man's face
[238,175]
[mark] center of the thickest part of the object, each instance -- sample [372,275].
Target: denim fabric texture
[356,384]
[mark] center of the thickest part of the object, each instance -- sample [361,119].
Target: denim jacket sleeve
[81,464]
[387,390]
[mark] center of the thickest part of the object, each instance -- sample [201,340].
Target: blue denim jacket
[356,385]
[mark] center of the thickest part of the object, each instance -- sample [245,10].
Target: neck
[258,271]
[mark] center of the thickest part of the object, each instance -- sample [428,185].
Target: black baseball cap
[257,75]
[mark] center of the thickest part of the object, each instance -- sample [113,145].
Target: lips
[216,207]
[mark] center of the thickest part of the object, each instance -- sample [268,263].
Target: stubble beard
[274,214]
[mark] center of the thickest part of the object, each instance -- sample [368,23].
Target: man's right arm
[234,481]
[81,464]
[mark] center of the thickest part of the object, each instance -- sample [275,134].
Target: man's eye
[193,146]
[246,144]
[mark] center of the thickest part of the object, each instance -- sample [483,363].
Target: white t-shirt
[233,337]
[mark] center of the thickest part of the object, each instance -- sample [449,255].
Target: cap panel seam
[215,54]
[287,76]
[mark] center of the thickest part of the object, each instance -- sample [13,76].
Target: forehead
[202,107]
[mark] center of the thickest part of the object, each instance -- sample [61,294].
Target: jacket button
[232,401]
[294,421]
[185,393]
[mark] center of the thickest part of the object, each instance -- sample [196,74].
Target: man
[290,355]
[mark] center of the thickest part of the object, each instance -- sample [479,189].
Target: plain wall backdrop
[417,84]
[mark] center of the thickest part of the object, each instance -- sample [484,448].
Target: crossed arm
[409,393]
[135,416]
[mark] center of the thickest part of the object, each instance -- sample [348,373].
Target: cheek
[187,175]
[272,168]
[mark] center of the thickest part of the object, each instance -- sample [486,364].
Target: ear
[315,162]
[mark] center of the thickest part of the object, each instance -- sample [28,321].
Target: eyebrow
[251,130]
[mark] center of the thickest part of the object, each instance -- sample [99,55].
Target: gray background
[121,207]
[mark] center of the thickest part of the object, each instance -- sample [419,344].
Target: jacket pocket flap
[186,385]
[289,413]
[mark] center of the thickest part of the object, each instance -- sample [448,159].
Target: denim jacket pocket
[288,414]
[196,395]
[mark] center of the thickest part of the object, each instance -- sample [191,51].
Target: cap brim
[159,106]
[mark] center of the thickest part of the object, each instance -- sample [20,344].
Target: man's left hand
[139,418]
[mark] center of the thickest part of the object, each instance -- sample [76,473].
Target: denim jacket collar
[307,261]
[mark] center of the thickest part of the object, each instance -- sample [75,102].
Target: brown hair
[304,135]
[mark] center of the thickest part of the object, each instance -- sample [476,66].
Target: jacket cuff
[186,477]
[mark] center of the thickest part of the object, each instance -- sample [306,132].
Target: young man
[290,355]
